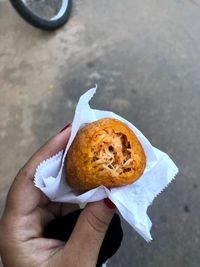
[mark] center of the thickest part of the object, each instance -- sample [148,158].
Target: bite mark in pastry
[105,152]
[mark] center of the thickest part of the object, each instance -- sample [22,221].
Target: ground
[145,58]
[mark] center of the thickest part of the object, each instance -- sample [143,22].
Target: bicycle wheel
[44,14]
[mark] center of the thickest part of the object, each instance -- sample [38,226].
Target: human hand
[28,211]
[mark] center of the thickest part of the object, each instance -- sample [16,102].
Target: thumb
[89,232]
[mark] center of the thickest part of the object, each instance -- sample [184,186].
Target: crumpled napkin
[132,201]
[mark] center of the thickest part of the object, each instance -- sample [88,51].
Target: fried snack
[105,152]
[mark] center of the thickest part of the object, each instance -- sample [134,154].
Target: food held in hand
[105,152]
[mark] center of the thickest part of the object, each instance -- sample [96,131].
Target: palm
[35,222]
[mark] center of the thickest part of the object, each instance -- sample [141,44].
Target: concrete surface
[145,57]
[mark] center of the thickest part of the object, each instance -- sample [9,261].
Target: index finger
[23,196]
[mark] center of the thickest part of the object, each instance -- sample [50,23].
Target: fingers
[54,145]
[23,196]
[89,233]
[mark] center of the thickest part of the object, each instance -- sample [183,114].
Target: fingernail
[69,124]
[109,203]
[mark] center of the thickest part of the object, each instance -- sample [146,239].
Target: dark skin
[28,210]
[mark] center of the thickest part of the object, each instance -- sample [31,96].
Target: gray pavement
[145,57]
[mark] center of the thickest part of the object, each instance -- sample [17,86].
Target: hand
[28,210]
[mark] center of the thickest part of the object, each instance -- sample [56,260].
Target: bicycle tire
[38,22]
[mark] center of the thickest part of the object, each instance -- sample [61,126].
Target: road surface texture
[145,58]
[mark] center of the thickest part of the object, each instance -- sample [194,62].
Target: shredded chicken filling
[112,153]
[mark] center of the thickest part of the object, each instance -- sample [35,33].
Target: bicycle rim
[49,10]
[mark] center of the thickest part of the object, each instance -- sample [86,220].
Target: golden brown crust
[105,152]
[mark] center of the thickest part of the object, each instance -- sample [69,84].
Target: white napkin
[132,200]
